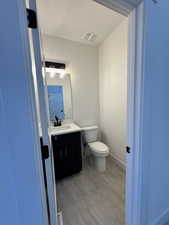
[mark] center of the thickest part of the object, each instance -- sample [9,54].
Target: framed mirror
[59,95]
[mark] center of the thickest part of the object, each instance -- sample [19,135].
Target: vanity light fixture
[55,69]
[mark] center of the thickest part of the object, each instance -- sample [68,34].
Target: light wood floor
[93,198]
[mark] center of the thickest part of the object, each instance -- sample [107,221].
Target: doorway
[97,63]
[118,162]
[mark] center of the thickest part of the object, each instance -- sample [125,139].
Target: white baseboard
[60,218]
[118,161]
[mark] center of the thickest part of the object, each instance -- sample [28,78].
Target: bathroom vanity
[67,150]
[65,139]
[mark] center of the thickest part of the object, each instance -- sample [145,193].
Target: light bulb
[52,74]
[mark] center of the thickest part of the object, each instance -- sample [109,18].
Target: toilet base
[100,163]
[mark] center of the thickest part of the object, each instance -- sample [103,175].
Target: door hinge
[128,149]
[44,150]
[32,18]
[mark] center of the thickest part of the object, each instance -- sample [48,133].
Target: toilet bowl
[98,149]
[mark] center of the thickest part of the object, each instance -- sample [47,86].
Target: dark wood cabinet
[67,154]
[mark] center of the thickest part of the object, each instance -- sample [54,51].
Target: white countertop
[64,129]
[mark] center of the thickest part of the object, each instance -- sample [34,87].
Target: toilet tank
[91,133]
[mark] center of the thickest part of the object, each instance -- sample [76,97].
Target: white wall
[113,90]
[82,64]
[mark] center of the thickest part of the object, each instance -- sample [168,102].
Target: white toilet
[98,149]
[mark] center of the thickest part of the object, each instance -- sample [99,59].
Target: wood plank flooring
[93,198]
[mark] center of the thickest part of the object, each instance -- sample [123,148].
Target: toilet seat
[99,148]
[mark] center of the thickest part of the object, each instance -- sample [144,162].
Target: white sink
[65,128]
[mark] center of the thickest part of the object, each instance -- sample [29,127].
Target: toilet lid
[99,147]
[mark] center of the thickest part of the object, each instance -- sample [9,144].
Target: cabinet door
[67,154]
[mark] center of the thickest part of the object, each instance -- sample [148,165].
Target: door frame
[134,103]
[135,80]
[134,129]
